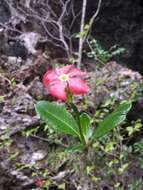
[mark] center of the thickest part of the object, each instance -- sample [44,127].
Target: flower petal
[64,70]
[57,90]
[49,77]
[78,86]
[75,72]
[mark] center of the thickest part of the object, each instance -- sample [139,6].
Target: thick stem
[76,113]
[77,117]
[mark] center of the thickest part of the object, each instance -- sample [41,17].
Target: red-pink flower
[56,81]
[39,183]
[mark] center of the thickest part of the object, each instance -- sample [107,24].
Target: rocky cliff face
[4,12]
[121,22]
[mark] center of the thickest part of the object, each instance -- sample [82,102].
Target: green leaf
[85,122]
[76,148]
[112,120]
[130,130]
[57,117]
[85,125]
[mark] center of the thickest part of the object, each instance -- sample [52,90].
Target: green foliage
[13,82]
[13,156]
[29,132]
[135,127]
[136,184]
[57,117]
[84,33]
[99,54]
[138,147]
[107,155]
[5,141]
[76,148]
[22,166]
[112,120]
[85,124]
[1,99]
[79,125]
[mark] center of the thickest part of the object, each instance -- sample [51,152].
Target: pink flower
[39,183]
[56,81]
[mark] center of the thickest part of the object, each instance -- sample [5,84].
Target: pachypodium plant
[63,115]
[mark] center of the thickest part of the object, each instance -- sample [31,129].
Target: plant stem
[77,117]
[76,113]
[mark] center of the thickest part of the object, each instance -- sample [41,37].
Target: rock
[14,180]
[17,113]
[4,12]
[114,81]
[36,156]
[30,40]
[13,48]
[119,22]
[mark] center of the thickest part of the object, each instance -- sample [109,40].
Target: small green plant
[91,144]
[138,147]
[135,127]
[136,184]
[69,120]
[13,156]
[22,166]
[99,54]
[13,82]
